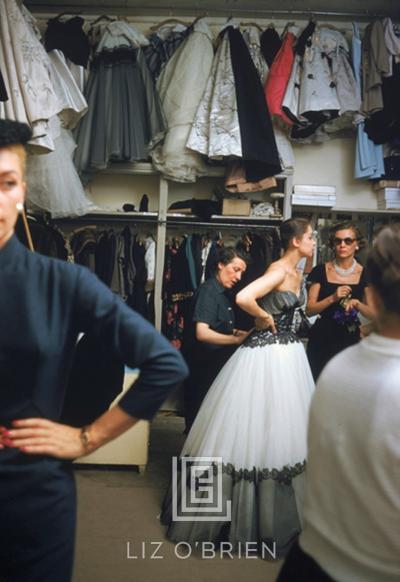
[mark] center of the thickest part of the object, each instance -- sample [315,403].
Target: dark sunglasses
[347,241]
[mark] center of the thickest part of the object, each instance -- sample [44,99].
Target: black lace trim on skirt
[283,475]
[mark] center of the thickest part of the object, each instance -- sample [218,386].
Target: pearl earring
[357,248]
[19,206]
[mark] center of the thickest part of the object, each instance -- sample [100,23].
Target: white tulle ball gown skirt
[254,422]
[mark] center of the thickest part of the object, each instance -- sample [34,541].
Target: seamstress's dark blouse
[214,307]
[44,305]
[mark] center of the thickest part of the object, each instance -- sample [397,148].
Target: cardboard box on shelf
[327,200]
[313,189]
[232,207]
[386,184]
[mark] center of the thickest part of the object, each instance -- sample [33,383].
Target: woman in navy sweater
[44,305]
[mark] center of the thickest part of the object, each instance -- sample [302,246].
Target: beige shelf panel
[131,448]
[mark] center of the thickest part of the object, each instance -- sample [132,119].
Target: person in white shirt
[352,509]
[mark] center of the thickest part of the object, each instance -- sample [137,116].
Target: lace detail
[286,324]
[283,476]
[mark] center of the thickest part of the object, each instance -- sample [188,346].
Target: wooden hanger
[167,21]
[102,17]
[199,18]
[286,29]
[330,26]
[255,24]
[68,14]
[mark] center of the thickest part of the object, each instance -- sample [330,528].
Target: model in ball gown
[254,418]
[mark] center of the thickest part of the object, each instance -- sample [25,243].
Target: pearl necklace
[344,272]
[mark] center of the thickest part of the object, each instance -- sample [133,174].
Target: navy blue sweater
[44,304]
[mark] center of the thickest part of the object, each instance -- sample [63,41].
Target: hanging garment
[334,44]
[259,151]
[150,257]
[74,105]
[317,87]
[322,94]
[251,35]
[83,245]
[270,43]
[53,183]
[279,75]
[69,38]
[369,157]
[162,45]
[290,102]
[3,91]
[177,295]
[369,162]
[105,256]
[375,65]
[96,379]
[384,125]
[27,76]
[285,148]
[125,114]
[47,240]
[117,279]
[392,42]
[181,86]
[137,298]
[304,39]
[215,131]
[129,267]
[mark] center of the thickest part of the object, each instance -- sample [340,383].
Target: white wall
[332,164]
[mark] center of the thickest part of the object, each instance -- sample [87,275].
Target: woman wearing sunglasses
[336,296]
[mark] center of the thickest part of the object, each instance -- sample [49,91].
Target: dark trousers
[300,567]
[38,518]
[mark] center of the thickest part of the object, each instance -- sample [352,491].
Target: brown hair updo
[383,266]
[292,228]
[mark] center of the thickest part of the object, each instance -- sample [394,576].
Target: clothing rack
[247,226]
[133,218]
[88,11]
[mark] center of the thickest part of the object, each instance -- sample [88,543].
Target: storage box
[235,207]
[328,200]
[386,184]
[392,194]
[388,199]
[311,189]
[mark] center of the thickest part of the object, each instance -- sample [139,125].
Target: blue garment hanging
[369,156]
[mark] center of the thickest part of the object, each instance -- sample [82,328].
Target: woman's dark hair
[344,225]
[225,255]
[383,266]
[292,228]
[13,133]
